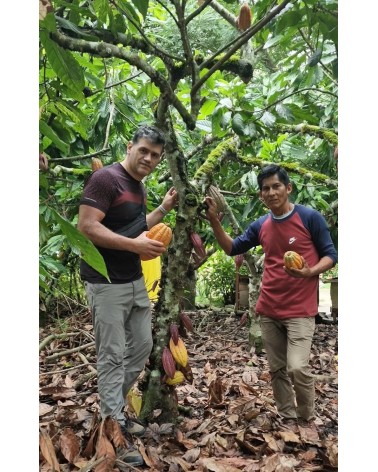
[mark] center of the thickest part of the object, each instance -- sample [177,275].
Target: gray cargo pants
[121,317]
[288,345]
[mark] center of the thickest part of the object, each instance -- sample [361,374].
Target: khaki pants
[288,344]
[121,316]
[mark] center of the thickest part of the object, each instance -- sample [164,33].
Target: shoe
[290,424]
[130,456]
[131,427]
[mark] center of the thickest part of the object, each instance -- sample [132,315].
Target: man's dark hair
[152,133]
[273,169]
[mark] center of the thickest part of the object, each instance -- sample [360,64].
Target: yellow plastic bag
[152,273]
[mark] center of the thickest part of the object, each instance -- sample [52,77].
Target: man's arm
[157,215]
[323,265]
[224,240]
[90,225]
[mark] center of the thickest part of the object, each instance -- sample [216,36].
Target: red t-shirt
[304,231]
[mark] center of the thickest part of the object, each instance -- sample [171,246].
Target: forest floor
[229,421]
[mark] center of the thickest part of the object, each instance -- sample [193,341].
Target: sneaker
[131,427]
[130,456]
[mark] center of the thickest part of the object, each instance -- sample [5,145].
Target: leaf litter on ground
[228,417]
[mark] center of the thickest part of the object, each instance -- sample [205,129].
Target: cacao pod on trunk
[198,246]
[173,329]
[179,352]
[168,362]
[244,20]
[215,194]
[177,378]
[186,321]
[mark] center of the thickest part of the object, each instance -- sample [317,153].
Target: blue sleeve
[250,238]
[320,234]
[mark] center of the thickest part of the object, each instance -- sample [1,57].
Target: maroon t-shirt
[122,199]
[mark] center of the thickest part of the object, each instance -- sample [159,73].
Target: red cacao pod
[186,321]
[244,20]
[173,329]
[169,364]
[198,246]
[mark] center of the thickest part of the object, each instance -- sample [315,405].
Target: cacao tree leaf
[207,108]
[64,65]
[87,249]
[238,124]
[142,6]
[291,18]
[129,10]
[68,25]
[315,58]
[47,131]
[102,8]
[268,119]
[284,112]
[272,41]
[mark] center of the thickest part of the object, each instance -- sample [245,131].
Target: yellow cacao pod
[292,260]
[160,232]
[179,352]
[245,17]
[176,379]
[96,163]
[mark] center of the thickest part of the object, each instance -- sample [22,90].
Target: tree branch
[110,50]
[243,38]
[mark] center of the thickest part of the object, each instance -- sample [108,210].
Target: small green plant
[216,280]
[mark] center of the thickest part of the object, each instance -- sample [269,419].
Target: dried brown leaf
[242,405]
[45,408]
[218,465]
[192,455]
[69,445]
[105,449]
[47,450]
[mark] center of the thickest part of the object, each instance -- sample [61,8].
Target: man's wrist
[163,210]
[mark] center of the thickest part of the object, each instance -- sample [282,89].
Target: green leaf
[208,108]
[78,241]
[45,129]
[273,41]
[268,119]
[238,124]
[68,25]
[142,6]
[290,18]
[101,7]
[64,64]
[284,112]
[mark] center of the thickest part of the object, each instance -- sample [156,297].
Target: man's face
[275,194]
[142,158]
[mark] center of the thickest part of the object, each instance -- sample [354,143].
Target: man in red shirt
[288,299]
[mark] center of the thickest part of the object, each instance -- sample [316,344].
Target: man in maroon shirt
[287,303]
[112,215]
